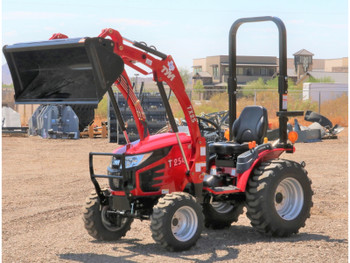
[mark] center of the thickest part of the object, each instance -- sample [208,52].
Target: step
[225,188]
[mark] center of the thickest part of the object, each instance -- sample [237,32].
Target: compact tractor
[178,181]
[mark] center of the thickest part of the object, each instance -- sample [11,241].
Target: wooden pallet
[15,131]
[93,132]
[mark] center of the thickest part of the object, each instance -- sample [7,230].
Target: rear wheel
[100,224]
[219,215]
[279,198]
[177,221]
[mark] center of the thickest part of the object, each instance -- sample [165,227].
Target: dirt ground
[45,183]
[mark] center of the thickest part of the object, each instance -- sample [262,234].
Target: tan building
[213,70]
[336,65]
[305,67]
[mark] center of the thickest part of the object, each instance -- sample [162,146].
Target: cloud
[35,15]
[129,22]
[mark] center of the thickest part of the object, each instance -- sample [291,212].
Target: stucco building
[212,71]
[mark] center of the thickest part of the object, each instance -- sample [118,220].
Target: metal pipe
[118,113]
[182,151]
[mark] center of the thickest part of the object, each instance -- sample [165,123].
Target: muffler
[63,71]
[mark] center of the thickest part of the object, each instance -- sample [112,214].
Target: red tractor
[179,182]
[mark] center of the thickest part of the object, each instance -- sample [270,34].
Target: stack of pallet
[94,131]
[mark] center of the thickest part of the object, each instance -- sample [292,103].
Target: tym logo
[167,72]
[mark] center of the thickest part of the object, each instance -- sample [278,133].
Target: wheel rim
[289,199]
[107,222]
[184,223]
[222,207]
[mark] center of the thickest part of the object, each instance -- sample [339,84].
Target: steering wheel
[208,127]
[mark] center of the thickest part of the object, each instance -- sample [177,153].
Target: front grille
[147,178]
[118,184]
[114,183]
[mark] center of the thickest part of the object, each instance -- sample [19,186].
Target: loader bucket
[63,71]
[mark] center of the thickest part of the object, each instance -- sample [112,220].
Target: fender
[264,156]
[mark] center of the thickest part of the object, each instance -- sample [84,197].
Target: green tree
[249,89]
[322,80]
[101,111]
[185,75]
[260,84]
[7,86]
[198,86]
[273,83]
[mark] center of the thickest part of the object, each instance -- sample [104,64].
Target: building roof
[251,64]
[203,74]
[338,77]
[303,52]
[291,72]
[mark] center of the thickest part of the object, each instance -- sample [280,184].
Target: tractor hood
[152,143]
[63,71]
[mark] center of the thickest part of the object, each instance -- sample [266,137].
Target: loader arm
[164,70]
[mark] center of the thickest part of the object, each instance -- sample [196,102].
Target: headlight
[135,160]
[115,162]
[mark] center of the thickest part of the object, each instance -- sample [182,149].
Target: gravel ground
[45,183]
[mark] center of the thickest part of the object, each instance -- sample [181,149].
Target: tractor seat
[228,148]
[250,126]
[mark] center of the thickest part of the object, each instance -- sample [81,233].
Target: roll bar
[282,77]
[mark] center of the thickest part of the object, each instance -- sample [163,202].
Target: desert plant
[320,80]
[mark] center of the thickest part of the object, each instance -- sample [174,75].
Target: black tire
[218,215]
[97,223]
[268,207]
[177,221]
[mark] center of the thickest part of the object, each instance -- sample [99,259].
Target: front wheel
[279,198]
[177,221]
[102,225]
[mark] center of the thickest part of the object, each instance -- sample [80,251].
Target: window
[256,71]
[271,71]
[300,59]
[239,71]
[263,71]
[197,69]
[247,71]
[215,71]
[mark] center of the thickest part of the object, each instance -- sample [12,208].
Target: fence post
[319,102]
[254,97]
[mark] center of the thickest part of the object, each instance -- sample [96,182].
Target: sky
[186,29]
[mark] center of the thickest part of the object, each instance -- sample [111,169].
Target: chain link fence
[328,102]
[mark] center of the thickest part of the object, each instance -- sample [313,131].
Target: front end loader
[178,181]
